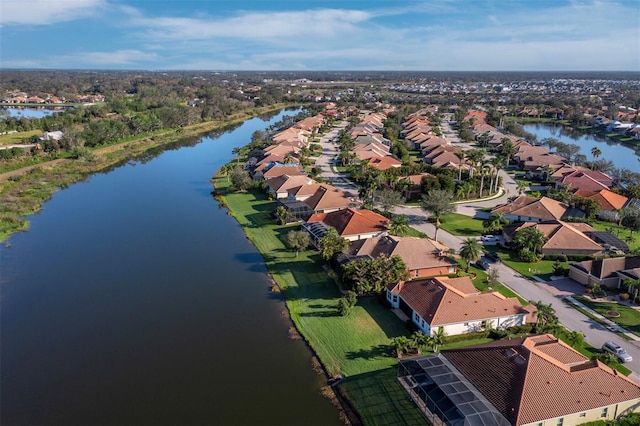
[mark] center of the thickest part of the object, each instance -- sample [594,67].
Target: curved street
[552,293]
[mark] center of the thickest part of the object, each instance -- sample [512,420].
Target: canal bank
[135,299]
[357,346]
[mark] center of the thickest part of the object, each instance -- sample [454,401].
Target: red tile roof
[538,378]
[350,222]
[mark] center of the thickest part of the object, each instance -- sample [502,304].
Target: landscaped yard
[629,318]
[542,269]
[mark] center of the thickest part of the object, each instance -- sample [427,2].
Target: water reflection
[623,156]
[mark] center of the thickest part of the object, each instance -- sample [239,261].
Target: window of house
[604,412]
[560,421]
[452,269]
[416,272]
[466,324]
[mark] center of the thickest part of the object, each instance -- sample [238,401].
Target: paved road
[551,293]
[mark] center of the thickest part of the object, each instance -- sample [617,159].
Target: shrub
[343,307]
[624,296]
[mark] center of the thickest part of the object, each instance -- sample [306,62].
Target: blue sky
[431,35]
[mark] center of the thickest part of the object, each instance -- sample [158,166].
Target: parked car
[493,257]
[489,238]
[617,350]
[483,264]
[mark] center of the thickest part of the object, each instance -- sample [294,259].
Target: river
[135,299]
[621,155]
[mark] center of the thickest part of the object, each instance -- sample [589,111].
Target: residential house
[562,237]
[608,272]
[350,223]
[328,198]
[526,381]
[586,180]
[531,209]
[280,170]
[278,187]
[610,202]
[423,257]
[454,305]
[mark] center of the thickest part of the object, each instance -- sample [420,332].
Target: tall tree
[546,316]
[240,178]
[438,203]
[595,151]
[331,243]
[389,199]
[460,154]
[470,251]
[297,240]
[633,285]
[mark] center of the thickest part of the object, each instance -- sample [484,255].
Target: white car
[489,238]
[617,350]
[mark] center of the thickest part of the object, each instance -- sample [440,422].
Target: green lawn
[629,318]
[461,225]
[542,269]
[619,231]
[357,345]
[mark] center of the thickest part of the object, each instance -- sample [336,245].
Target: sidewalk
[611,326]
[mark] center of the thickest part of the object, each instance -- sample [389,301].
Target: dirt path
[24,170]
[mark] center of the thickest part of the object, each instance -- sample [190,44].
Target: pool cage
[444,395]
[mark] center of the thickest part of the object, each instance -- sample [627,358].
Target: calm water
[622,156]
[135,299]
[29,112]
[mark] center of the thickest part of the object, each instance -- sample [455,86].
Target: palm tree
[420,340]
[483,169]
[399,226]
[460,155]
[470,251]
[633,286]
[497,164]
[400,343]
[507,149]
[546,316]
[439,203]
[494,223]
[595,151]
[438,338]
[530,238]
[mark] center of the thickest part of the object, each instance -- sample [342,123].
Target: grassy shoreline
[356,346]
[25,187]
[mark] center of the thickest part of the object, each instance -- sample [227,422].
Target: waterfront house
[424,257]
[454,305]
[526,381]
[350,223]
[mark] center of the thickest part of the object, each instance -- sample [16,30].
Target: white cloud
[46,12]
[115,58]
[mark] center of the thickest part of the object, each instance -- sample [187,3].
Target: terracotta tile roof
[583,180]
[350,222]
[538,378]
[286,182]
[563,236]
[608,200]
[283,170]
[384,163]
[542,208]
[417,253]
[441,301]
[328,197]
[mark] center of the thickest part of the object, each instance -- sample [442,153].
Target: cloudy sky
[430,35]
